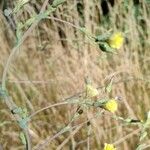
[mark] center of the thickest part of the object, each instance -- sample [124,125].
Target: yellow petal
[111,105]
[109,147]
[116,40]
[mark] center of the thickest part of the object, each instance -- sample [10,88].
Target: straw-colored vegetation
[53,63]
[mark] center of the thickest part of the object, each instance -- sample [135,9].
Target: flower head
[116,40]
[109,147]
[91,91]
[111,105]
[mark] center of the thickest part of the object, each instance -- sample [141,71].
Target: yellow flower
[109,147]
[116,40]
[91,91]
[111,105]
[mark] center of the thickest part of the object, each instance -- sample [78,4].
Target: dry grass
[53,62]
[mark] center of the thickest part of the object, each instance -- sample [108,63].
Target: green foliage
[145,126]
[106,48]
[143,135]
[23,138]
[109,86]
[3,93]
[23,113]
[102,38]
[141,147]
[56,3]
[19,5]
[19,31]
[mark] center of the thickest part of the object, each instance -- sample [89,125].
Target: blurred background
[53,61]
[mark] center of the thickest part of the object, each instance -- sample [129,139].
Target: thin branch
[127,136]
[14,50]
[66,22]
[8,100]
[48,107]
[49,139]
[88,138]
[64,101]
[69,137]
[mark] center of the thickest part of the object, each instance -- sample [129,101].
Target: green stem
[8,100]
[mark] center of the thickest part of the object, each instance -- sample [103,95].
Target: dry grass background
[53,62]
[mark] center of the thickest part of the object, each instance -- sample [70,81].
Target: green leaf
[24,113]
[106,48]
[102,38]
[3,92]
[30,21]
[141,147]
[143,135]
[109,87]
[23,138]
[57,2]
[17,110]
[19,5]
[19,31]
[23,123]
[100,102]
